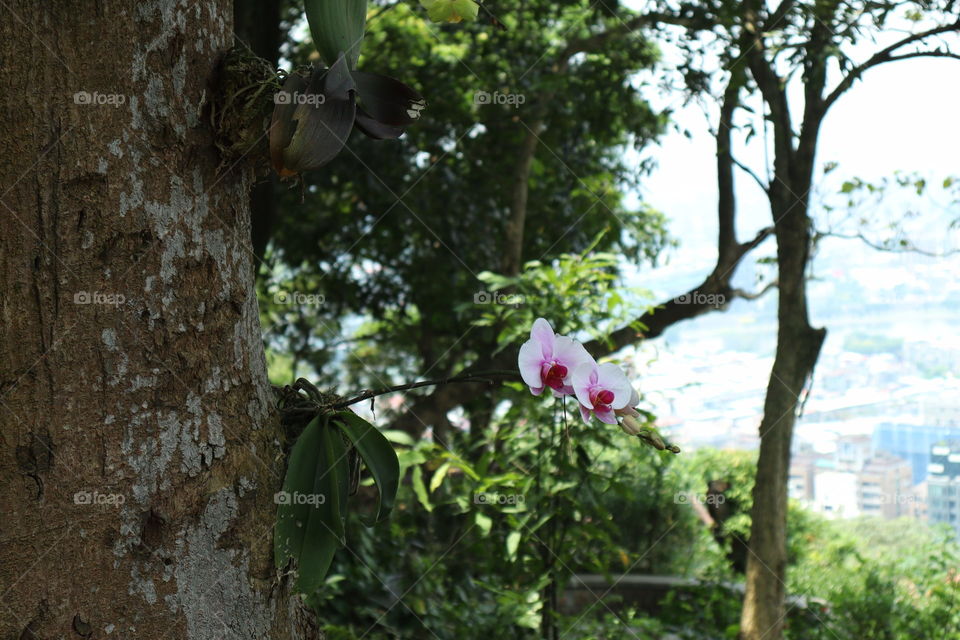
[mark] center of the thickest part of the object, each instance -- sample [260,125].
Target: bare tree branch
[753,295]
[750,172]
[904,246]
[886,55]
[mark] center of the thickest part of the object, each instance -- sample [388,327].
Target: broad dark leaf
[337,27]
[374,129]
[379,457]
[282,125]
[388,100]
[311,511]
[324,119]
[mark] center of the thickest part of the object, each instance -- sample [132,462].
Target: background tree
[812,48]
[518,182]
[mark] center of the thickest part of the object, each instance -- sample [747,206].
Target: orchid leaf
[311,506]
[337,27]
[282,125]
[388,100]
[374,129]
[378,456]
[324,118]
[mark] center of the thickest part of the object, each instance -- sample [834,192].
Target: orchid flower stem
[477,376]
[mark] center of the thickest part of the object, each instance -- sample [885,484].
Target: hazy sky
[901,115]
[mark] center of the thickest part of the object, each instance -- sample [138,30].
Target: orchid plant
[563,364]
[602,391]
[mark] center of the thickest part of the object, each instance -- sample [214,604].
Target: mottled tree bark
[139,451]
[798,343]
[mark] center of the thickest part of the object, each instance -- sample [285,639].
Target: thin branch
[477,376]
[937,53]
[909,247]
[753,295]
[758,239]
[763,185]
[885,55]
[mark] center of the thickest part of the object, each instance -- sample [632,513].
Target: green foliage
[450,10]
[528,502]
[393,235]
[892,580]
[627,623]
[312,506]
[579,292]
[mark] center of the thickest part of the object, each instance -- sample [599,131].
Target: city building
[942,412]
[912,442]
[943,484]
[885,487]
[853,451]
[803,467]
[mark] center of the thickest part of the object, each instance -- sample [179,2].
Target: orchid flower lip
[548,359]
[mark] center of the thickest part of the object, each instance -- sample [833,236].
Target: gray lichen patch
[212,589]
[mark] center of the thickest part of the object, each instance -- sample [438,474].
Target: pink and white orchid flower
[548,360]
[631,408]
[601,390]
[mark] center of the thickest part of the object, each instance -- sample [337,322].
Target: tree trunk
[513,240]
[140,453]
[798,346]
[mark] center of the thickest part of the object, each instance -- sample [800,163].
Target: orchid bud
[630,425]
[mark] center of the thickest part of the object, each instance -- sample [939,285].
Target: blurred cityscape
[879,433]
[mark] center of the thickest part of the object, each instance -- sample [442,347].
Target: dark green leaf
[388,100]
[379,457]
[324,118]
[310,515]
[376,130]
[337,27]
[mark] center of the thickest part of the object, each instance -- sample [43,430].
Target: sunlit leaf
[438,476]
[513,543]
[451,10]
[337,27]
[420,489]
[483,522]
